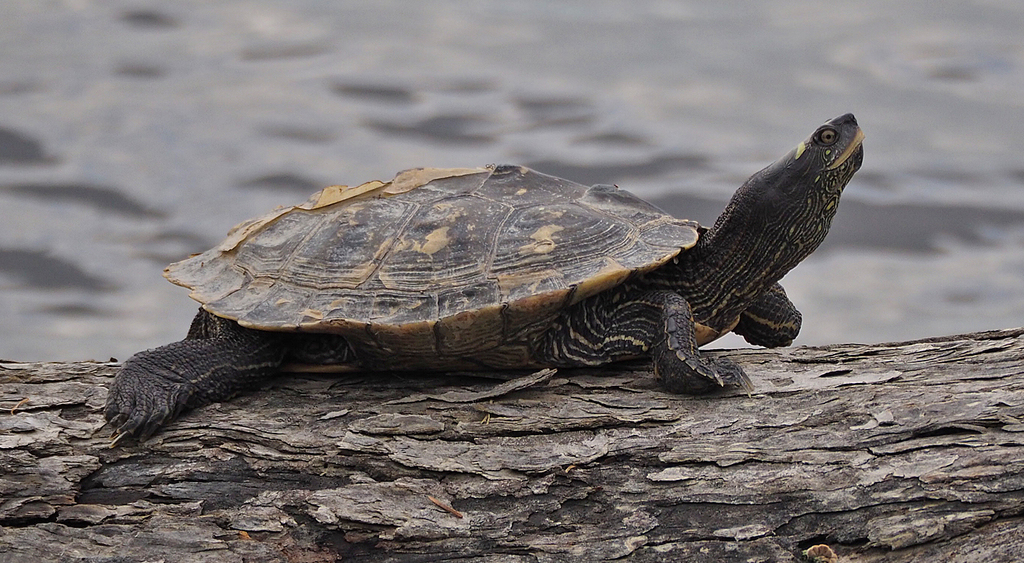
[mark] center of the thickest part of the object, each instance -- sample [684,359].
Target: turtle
[494,268]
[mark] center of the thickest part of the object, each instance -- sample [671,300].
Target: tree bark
[894,452]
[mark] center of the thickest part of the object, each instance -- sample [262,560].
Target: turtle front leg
[771,321]
[216,360]
[623,324]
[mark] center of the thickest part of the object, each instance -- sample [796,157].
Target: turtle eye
[827,136]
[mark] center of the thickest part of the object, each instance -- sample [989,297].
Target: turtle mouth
[849,151]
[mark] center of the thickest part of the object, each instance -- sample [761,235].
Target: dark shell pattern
[455,258]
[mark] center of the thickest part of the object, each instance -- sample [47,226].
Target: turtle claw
[116,438]
[729,374]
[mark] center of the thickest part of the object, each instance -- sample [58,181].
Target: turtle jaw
[854,147]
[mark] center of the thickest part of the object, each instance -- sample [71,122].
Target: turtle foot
[698,376]
[145,396]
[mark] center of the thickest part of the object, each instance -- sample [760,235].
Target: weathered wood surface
[897,452]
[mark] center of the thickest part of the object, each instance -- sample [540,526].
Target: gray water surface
[135,133]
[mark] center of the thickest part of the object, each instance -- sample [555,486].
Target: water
[133,134]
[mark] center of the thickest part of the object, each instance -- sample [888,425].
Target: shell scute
[442,245]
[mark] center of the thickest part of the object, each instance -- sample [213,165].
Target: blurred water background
[133,133]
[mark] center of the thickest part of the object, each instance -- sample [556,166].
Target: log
[898,452]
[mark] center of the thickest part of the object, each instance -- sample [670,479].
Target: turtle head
[824,163]
[782,213]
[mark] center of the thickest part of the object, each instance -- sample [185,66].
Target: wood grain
[899,452]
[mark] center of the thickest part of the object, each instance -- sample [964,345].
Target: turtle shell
[437,261]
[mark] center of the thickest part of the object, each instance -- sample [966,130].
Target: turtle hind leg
[216,360]
[623,324]
[771,321]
